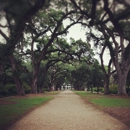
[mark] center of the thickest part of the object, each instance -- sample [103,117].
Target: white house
[65,87]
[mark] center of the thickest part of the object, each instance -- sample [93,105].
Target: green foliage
[50,19]
[128,90]
[27,88]
[99,89]
[95,75]
[9,89]
[113,88]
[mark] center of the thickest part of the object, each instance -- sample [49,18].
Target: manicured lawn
[112,102]
[104,100]
[12,108]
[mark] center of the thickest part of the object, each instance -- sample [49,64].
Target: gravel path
[67,112]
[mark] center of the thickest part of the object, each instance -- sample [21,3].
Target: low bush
[46,89]
[100,89]
[27,88]
[128,90]
[113,89]
[9,89]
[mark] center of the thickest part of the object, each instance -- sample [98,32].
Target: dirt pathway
[68,112]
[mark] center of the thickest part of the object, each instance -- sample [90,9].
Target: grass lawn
[12,108]
[105,100]
[116,106]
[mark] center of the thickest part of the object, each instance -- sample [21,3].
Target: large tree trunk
[122,77]
[53,87]
[19,86]
[40,90]
[106,72]
[34,84]
[43,80]
[20,89]
[106,84]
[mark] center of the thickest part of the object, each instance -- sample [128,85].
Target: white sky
[2,21]
[77,32]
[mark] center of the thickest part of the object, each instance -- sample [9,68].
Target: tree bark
[52,87]
[40,90]
[34,83]
[43,80]
[122,77]
[106,84]
[19,86]
[121,64]
[106,72]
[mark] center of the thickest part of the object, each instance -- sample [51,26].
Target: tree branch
[3,35]
[112,19]
[78,7]
[93,11]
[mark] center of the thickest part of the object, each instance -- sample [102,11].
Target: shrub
[128,90]
[46,89]
[27,88]
[113,89]
[100,89]
[95,89]
[9,89]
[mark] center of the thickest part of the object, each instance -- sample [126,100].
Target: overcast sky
[77,32]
